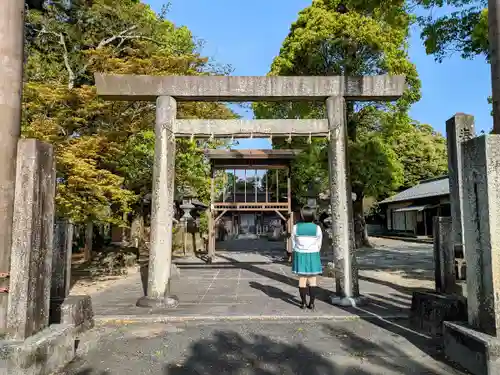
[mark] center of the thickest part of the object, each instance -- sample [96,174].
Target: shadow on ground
[229,353]
[410,261]
[337,351]
[401,289]
[377,305]
[274,292]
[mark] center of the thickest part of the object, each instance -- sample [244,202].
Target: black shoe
[303,306]
[311,306]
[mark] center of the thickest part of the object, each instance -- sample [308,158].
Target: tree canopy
[104,150]
[464,30]
[362,38]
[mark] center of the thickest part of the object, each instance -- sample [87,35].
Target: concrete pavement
[252,282]
[240,316]
[264,348]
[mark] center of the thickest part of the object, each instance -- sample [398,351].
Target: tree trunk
[360,232]
[126,234]
[89,236]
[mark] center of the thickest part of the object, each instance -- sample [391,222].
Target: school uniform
[306,244]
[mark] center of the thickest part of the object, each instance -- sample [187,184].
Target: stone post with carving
[459,128]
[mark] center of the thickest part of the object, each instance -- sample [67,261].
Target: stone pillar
[346,272]
[211,219]
[475,346]
[482,231]
[444,257]
[32,239]
[61,269]
[162,208]
[289,222]
[459,128]
[66,309]
[61,259]
[11,72]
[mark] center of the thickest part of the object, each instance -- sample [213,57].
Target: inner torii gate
[166,91]
[278,160]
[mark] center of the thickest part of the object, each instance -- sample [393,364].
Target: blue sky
[248,35]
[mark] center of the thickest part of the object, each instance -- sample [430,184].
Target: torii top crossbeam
[237,89]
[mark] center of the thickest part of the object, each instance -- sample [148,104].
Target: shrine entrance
[168,90]
[249,211]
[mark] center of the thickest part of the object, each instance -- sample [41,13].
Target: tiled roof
[425,189]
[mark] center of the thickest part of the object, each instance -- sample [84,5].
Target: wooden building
[412,210]
[250,211]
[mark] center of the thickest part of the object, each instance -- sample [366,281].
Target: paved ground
[250,286]
[260,348]
[252,282]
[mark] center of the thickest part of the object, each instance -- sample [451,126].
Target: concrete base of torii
[168,302]
[348,301]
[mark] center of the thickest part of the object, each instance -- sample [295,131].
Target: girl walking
[306,243]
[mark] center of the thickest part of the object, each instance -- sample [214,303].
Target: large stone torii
[166,91]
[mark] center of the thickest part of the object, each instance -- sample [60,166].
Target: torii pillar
[11,74]
[166,91]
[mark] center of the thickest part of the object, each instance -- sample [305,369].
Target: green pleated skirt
[307,264]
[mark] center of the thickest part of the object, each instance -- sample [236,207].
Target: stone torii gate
[166,91]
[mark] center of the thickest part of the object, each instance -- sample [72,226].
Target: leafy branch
[65,56]
[122,37]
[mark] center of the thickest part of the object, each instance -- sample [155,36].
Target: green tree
[364,40]
[104,149]
[231,179]
[463,30]
[421,150]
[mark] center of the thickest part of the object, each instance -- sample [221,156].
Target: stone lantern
[187,205]
[312,193]
[187,219]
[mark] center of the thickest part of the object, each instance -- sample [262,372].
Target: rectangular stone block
[430,310]
[44,353]
[77,310]
[240,128]
[444,258]
[459,128]
[481,202]
[477,352]
[234,88]
[61,259]
[32,239]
